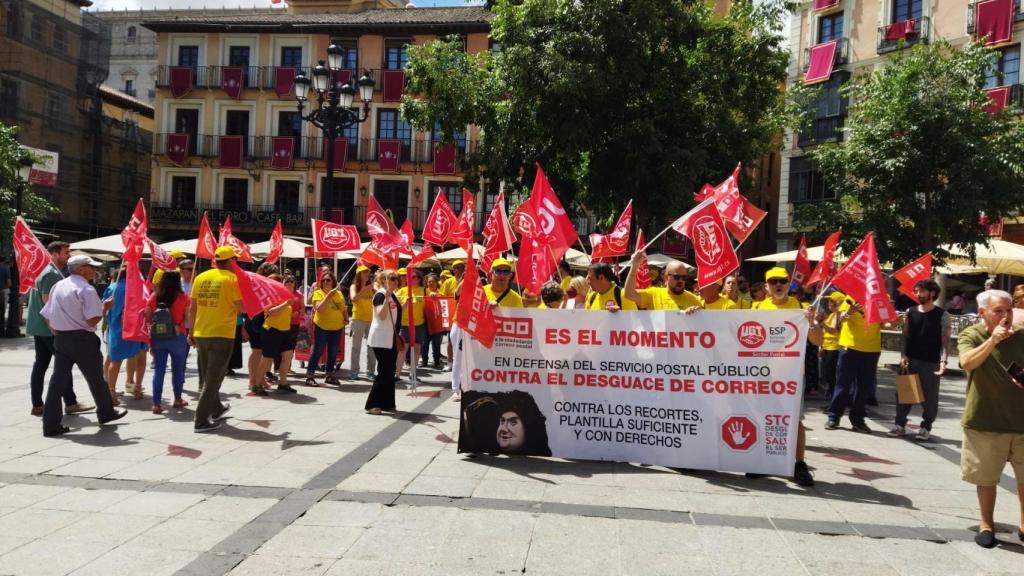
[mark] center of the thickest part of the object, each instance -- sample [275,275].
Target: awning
[292,248]
[993,21]
[1000,98]
[823,59]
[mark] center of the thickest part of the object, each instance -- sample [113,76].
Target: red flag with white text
[712,248]
[228,239]
[643,272]
[259,292]
[741,217]
[826,266]
[861,279]
[386,236]
[331,237]
[276,244]
[498,235]
[161,258]
[475,314]
[615,243]
[30,255]
[440,222]
[134,327]
[206,244]
[802,266]
[920,269]
[553,220]
[463,232]
[135,233]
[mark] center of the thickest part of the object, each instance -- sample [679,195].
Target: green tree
[617,100]
[921,160]
[32,206]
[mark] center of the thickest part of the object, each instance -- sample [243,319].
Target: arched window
[131,34]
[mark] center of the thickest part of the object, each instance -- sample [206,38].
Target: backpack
[163,325]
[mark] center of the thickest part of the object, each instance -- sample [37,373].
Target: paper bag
[908,389]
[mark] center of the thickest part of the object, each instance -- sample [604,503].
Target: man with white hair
[992,353]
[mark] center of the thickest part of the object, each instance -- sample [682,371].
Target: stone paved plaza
[310,485]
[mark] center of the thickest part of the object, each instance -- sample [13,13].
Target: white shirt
[73,302]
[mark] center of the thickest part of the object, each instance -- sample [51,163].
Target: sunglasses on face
[502,272]
[779,281]
[677,277]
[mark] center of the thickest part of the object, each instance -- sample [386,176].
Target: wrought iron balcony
[827,129]
[842,54]
[893,37]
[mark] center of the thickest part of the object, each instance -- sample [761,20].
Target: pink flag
[206,244]
[802,266]
[712,249]
[259,292]
[464,230]
[229,239]
[861,279]
[920,269]
[276,244]
[30,254]
[440,222]
[617,242]
[331,237]
[134,327]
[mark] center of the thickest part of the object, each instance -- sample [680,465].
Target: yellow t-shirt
[534,303]
[769,304]
[722,303]
[857,335]
[330,317]
[280,320]
[597,301]
[661,298]
[511,300]
[418,317]
[830,340]
[362,308]
[216,295]
[449,285]
[565,283]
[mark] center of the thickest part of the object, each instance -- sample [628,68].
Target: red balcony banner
[999,99]
[444,159]
[394,85]
[340,152]
[284,81]
[389,154]
[177,148]
[181,80]
[823,59]
[230,151]
[900,30]
[993,21]
[283,148]
[820,5]
[232,79]
[342,77]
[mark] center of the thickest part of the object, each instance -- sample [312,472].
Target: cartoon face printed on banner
[335,238]
[709,238]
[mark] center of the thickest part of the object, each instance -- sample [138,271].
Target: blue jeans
[329,339]
[855,383]
[177,349]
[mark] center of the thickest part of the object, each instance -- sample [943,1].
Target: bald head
[675,277]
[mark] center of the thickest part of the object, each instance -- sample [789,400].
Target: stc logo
[514,327]
[751,334]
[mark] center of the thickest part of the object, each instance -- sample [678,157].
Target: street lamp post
[334,111]
[24,172]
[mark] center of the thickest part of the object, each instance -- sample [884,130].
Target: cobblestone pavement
[310,485]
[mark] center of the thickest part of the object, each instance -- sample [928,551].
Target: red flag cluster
[498,235]
[712,249]
[741,217]
[861,278]
[546,231]
[617,242]
[826,266]
[228,239]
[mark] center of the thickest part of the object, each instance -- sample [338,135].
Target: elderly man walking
[72,311]
[992,353]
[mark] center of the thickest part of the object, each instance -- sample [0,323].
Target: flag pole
[659,235]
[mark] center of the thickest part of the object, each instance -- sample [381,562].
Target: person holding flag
[118,348]
[416,292]
[672,296]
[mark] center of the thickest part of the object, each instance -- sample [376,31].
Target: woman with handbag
[387,344]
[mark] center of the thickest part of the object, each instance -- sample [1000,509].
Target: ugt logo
[751,334]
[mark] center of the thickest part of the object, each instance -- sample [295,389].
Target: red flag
[373,254]
[802,266]
[331,237]
[463,232]
[161,258]
[31,256]
[407,234]
[276,243]
[232,80]
[826,267]
[228,239]
[135,233]
[385,235]
[206,245]
[616,243]
[475,314]
[643,272]
[712,249]
[553,220]
[425,253]
[536,263]
[178,148]
[259,292]
[861,279]
[134,327]
[740,216]
[498,235]
[440,222]
[920,269]
[389,155]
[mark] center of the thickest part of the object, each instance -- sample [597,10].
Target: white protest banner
[712,390]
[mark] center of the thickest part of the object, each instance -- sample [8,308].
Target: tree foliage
[921,160]
[32,206]
[617,99]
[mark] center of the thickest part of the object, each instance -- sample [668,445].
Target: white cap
[82,260]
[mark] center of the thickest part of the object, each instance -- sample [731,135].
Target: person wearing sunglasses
[672,296]
[385,341]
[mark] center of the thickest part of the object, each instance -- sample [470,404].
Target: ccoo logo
[751,334]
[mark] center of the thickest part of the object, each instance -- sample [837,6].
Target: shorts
[254,327]
[421,333]
[984,454]
[275,342]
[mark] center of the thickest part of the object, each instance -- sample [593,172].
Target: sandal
[311,382]
[137,391]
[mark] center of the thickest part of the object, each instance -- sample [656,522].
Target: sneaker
[831,425]
[353,375]
[457,397]
[923,435]
[371,376]
[802,474]
[78,408]
[897,430]
[223,413]
[861,427]
[285,389]
[207,427]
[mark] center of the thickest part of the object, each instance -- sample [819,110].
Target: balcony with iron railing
[1018,10]
[257,76]
[903,34]
[200,76]
[842,54]
[265,216]
[820,130]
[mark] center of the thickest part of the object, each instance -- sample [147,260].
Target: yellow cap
[361,268]
[225,253]
[501,262]
[458,263]
[836,297]
[446,274]
[402,270]
[177,254]
[777,272]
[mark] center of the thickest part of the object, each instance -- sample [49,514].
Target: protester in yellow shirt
[330,314]
[711,298]
[564,275]
[419,319]
[278,345]
[828,354]
[605,293]
[860,345]
[361,294]
[672,296]
[450,285]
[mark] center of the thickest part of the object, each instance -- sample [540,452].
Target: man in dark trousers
[925,335]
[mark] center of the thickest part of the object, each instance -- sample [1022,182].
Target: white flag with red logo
[498,235]
[383,231]
[135,233]
[617,242]
[161,258]
[712,248]
[276,244]
[331,237]
[802,266]
[440,222]
[463,232]
[475,314]
[741,217]
[30,254]
[826,267]
[206,245]
[920,269]
[259,292]
[861,279]
[643,272]
[228,239]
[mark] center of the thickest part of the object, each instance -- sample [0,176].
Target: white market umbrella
[460,254]
[814,254]
[292,248]
[659,260]
[106,244]
[999,257]
[186,246]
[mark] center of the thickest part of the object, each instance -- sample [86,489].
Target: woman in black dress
[385,341]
